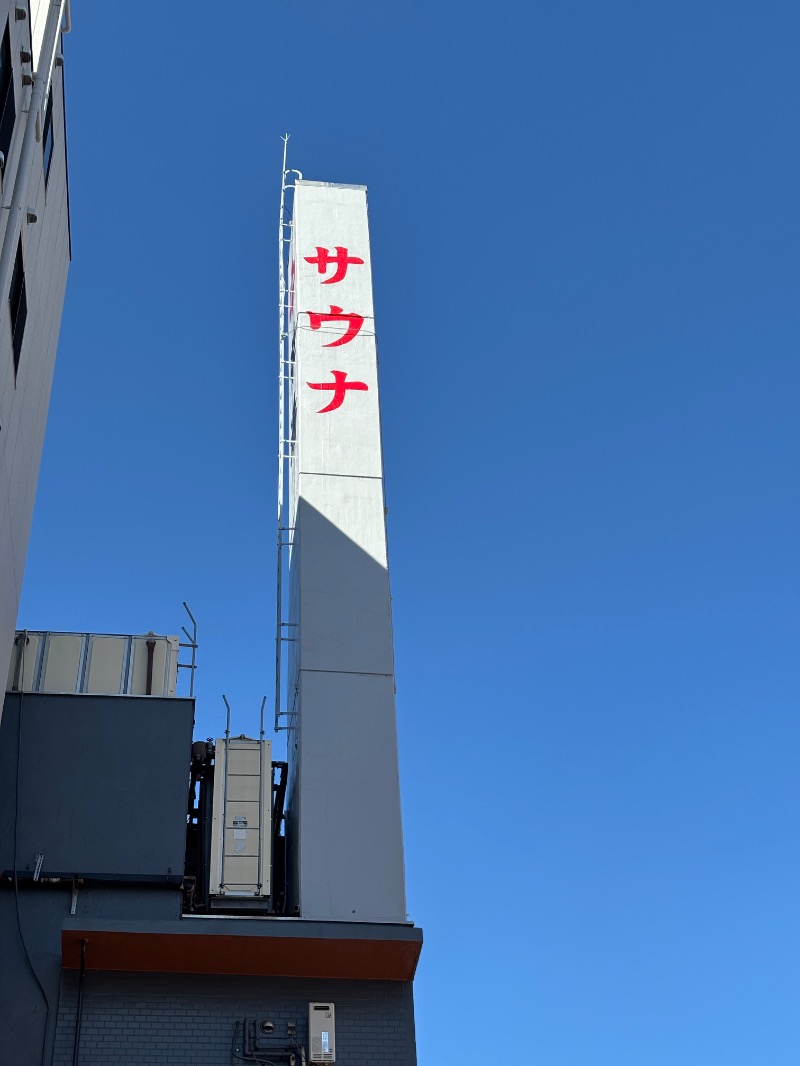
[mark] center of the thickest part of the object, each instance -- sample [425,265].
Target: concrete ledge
[266,947]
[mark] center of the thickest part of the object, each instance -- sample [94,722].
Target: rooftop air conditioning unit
[241,834]
[103,664]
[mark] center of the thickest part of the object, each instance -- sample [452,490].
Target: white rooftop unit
[241,833]
[101,664]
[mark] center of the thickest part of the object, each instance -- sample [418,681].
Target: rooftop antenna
[286,429]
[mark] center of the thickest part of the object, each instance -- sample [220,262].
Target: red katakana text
[355,322]
[341,261]
[339,388]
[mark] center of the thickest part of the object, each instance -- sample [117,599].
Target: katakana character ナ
[341,260]
[316,319]
[339,388]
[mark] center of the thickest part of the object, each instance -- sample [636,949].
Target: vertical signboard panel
[344,791]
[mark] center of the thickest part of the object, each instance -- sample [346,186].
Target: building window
[47,137]
[8,107]
[18,306]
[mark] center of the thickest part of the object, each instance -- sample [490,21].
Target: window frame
[48,138]
[8,103]
[18,306]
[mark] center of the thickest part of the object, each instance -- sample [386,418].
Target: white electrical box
[322,1032]
[241,834]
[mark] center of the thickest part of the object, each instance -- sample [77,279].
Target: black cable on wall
[24,637]
[76,1049]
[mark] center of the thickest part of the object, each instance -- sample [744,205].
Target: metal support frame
[261,829]
[224,793]
[192,643]
[286,427]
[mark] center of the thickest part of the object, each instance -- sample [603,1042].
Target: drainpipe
[76,1047]
[40,81]
[151,650]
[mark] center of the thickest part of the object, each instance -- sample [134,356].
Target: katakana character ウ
[339,388]
[316,319]
[341,260]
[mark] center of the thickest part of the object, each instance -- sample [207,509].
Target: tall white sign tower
[344,825]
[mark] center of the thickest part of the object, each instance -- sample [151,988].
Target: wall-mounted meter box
[322,1032]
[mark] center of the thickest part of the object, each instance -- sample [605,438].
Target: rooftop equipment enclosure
[241,835]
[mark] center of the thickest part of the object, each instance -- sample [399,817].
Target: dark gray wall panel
[103,783]
[42,909]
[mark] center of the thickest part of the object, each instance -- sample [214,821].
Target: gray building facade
[96,786]
[34,261]
[106,957]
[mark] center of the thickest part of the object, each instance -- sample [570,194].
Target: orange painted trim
[371,960]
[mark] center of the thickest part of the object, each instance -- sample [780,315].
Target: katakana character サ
[341,261]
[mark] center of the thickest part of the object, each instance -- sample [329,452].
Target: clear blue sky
[585,239]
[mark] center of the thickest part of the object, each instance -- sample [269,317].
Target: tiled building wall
[189,1020]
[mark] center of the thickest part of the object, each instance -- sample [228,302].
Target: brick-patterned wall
[188,1020]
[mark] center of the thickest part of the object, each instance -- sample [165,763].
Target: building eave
[246,946]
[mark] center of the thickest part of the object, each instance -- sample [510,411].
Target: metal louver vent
[322,1032]
[317,1054]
